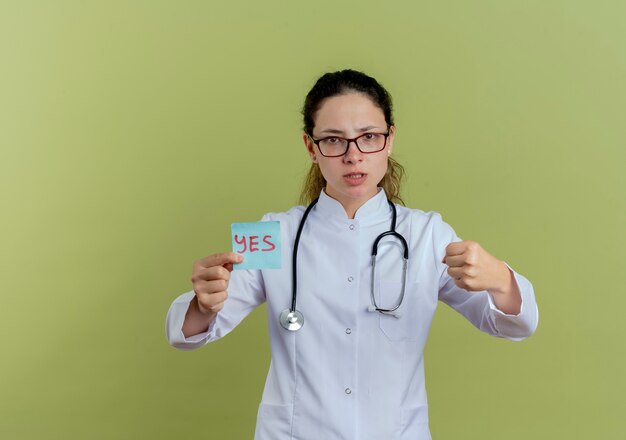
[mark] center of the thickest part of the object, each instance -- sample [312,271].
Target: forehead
[347,111]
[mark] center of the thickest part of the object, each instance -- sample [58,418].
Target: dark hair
[339,83]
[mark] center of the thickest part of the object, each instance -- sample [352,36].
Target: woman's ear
[390,139]
[308,143]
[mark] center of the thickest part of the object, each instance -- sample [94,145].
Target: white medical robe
[349,373]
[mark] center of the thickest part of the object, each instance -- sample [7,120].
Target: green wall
[132,133]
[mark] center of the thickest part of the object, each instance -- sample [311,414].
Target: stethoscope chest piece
[291,320]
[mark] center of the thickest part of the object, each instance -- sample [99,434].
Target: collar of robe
[374,208]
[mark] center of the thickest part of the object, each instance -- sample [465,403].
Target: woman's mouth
[355,178]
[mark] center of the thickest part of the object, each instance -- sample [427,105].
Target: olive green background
[132,134]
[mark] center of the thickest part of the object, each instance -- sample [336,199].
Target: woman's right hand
[210,278]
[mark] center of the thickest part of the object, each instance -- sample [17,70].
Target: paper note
[259,243]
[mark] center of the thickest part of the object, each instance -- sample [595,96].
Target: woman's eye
[332,140]
[369,136]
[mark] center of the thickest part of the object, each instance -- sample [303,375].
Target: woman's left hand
[474,269]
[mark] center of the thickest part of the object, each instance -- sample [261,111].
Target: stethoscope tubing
[294,257]
[291,319]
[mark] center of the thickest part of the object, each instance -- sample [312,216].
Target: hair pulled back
[340,83]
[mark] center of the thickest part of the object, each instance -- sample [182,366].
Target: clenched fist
[475,269]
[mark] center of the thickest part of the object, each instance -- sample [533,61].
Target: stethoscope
[292,319]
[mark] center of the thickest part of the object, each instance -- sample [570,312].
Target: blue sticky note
[259,243]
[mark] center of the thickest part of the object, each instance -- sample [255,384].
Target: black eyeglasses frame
[317,142]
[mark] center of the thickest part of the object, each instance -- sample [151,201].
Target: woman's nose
[353,154]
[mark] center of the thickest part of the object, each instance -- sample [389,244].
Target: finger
[462,285]
[456,260]
[209,301]
[456,248]
[210,273]
[210,287]
[465,272]
[455,272]
[213,309]
[220,259]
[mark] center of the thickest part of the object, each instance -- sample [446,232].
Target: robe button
[348,391]
[350,279]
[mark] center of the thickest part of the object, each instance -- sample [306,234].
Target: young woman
[349,318]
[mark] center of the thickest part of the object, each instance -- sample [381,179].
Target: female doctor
[349,314]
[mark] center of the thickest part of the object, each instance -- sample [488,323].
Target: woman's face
[353,178]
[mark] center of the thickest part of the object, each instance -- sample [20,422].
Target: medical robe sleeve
[478,307]
[246,291]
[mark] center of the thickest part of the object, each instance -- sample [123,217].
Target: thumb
[229,266]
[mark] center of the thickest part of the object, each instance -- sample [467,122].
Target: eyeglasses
[334,146]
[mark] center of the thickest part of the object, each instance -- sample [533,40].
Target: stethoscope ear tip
[371,308]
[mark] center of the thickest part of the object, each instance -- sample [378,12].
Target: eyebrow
[337,131]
